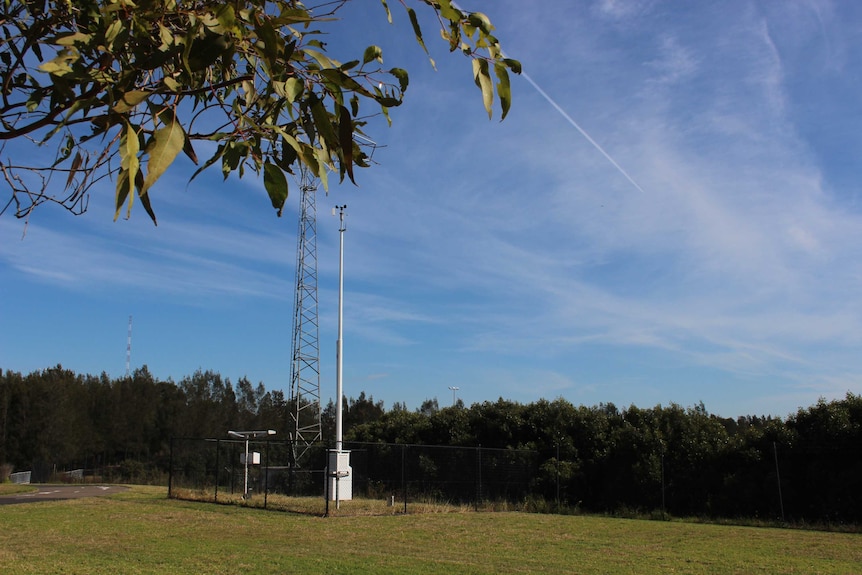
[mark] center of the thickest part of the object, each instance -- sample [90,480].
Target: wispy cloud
[519,256]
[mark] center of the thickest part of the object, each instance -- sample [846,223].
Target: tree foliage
[600,458]
[120,88]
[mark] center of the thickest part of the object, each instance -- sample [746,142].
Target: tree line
[805,467]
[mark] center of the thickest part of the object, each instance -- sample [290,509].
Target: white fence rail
[20,477]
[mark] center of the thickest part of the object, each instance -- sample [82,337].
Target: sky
[671,213]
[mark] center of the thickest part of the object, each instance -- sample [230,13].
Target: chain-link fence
[384,478]
[772,483]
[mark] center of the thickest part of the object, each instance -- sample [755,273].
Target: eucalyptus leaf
[483,80]
[372,53]
[275,183]
[129,169]
[504,90]
[130,100]
[162,150]
[108,80]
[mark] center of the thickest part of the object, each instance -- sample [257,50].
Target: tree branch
[48,118]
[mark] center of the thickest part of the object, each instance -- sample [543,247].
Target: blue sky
[717,258]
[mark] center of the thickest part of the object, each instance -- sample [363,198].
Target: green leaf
[162,151]
[188,149]
[293,16]
[322,123]
[449,12]
[514,65]
[504,90]
[322,162]
[76,164]
[72,39]
[416,30]
[388,12]
[322,59]
[293,88]
[114,30]
[232,155]
[345,81]
[347,66]
[388,101]
[290,141]
[165,35]
[226,17]
[483,80]
[480,21]
[275,183]
[345,141]
[205,51]
[288,156]
[129,169]
[270,42]
[372,53]
[145,201]
[215,157]
[403,77]
[61,65]
[130,100]
[171,84]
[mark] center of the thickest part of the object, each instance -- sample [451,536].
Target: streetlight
[454,390]
[246,435]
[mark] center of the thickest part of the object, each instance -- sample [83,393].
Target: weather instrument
[249,459]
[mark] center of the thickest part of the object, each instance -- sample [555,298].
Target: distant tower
[305,367]
[129,349]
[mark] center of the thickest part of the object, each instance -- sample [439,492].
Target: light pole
[454,390]
[246,435]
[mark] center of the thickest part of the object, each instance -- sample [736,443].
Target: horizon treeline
[807,466]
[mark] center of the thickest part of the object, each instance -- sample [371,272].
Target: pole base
[339,476]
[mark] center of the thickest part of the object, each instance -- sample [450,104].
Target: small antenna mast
[129,349]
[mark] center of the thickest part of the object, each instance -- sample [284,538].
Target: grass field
[12,488]
[141,531]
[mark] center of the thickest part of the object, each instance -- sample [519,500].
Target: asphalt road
[59,492]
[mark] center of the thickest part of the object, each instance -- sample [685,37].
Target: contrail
[571,121]
[583,132]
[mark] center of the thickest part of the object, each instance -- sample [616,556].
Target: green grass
[141,531]
[13,488]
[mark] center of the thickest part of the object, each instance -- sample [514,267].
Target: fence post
[558,477]
[326,482]
[266,474]
[291,463]
[478,476]
[217,469]
[404,476]
[663,508]
[778,479]
[171,469]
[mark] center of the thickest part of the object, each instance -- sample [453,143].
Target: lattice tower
[305,366]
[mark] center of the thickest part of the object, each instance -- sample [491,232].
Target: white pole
[338,343]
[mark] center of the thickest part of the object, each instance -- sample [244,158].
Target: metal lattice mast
[305,366]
